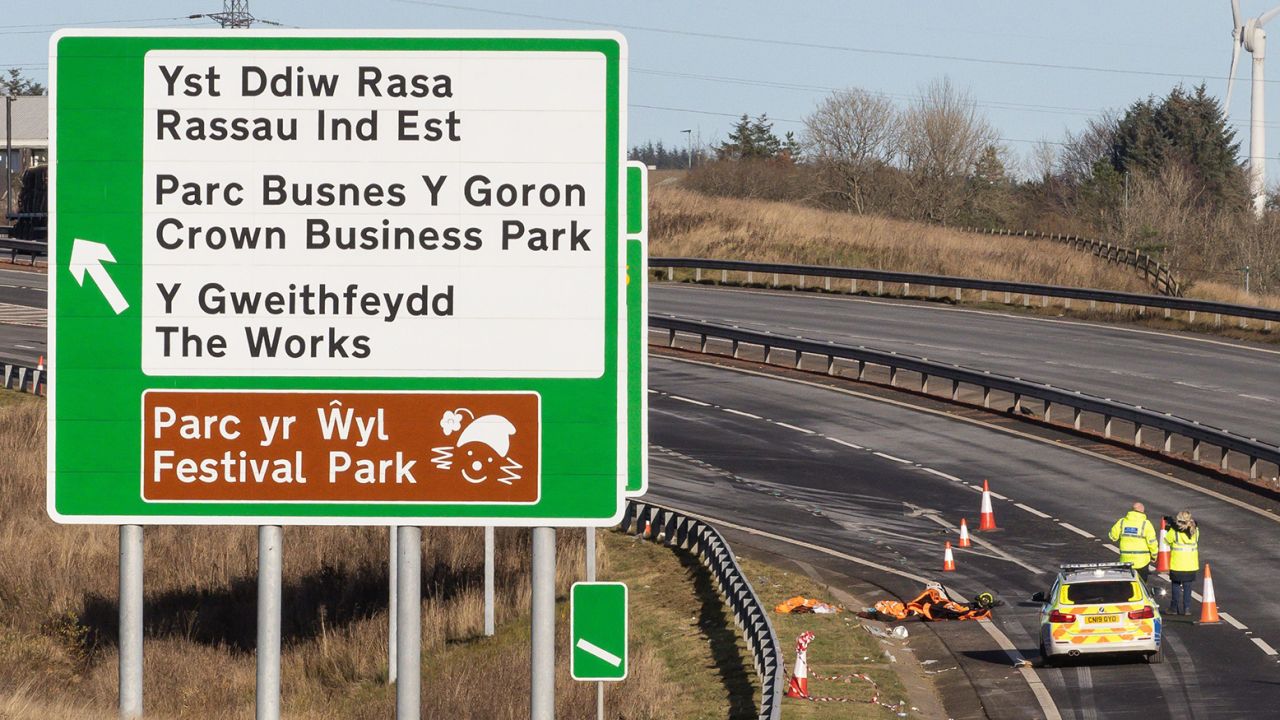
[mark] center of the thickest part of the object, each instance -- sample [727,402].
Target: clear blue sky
[722,58]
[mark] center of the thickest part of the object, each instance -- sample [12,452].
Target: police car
[1098,608]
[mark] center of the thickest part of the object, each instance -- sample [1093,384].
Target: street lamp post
[689,134]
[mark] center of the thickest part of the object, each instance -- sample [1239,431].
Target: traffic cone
[40,365]
[648,529]
[988,521]
[1162,556]
[964,533]
[948,559]
[798,687]
[1208,604]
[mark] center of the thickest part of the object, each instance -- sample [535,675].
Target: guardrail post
[924,383]
[1166,313]
[1253,468]
[735,348]
[800,281]
[751,278]
[984,296]
[1225,460]
[1048,411]
[724,277]
[697,275]
[827,284]
[932,290]
[702,343]
[955,389]
[831,364]
[1026,300]
[1044,301]
[1168,441]
[1075,417]
[1191,317]
[906,289]
[986,397]
[893,376]
[862,368]
[1106,426]
[1195,449]
[671,274]
[1067,303]
[853,286]
[799,359]
[879,287]
[1217,319]
[1008,298]
[775,280]
[958,295]
[766,354]
[1137,435]
[671,338]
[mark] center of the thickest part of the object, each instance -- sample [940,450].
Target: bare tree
[944,137]
[1080,151]
[850,135]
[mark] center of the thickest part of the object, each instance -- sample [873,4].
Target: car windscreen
[1101,593]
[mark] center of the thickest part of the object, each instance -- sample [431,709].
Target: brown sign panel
[279,446]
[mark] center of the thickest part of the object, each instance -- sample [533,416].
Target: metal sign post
[270,567]
[409,623]
[542,702]
[591,577]
[488,581]
[130,621]
[392,565]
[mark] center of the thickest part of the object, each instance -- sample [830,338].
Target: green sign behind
[362,278]
[598,631]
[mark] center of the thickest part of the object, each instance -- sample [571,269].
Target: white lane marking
[1043,698]
[997,495]
[689,400]
[599,652]
[890,457]
[1076,530]
[838,441]
[743,414]
[1265,647]
[1041,693]
[1005,316]
[23,315]
[1001,554]
[941,474]
[793,427]
[1232,621]
[997,428]
[1112,548]
[1031,510]
[24,347]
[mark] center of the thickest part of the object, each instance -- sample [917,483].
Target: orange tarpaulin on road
[801,604]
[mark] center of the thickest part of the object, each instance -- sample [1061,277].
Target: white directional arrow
[88,256]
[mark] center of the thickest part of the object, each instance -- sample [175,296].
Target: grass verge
[58,618]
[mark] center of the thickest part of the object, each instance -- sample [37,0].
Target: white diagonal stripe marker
[599,652]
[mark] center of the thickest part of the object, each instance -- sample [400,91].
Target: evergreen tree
[752,140]
[17,84]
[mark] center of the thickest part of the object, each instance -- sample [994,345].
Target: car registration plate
[1102,620]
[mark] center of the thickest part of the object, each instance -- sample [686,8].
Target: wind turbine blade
[1268,16]
[1231,76]
[1235,14]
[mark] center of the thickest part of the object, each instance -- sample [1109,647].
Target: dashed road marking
[886,456]
[793,427]
[941,474]
[743,414]
[1031,510]
[1076,530]
[1265,647]
[838,441]
[1232,621]
[1112,548]
[689,400]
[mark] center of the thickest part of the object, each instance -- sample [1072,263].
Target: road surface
[23,310]
[1226,384]
[780,456]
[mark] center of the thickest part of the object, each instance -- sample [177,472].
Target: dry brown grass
[686,223]
[58,587]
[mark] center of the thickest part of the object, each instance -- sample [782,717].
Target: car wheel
[1155,658]
[1046,660]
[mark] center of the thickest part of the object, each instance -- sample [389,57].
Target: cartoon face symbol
[477,461]
[482,450]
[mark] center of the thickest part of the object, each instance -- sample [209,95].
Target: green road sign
[340,278]
[638,327]
[598,631]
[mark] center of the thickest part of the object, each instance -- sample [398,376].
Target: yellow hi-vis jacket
[1136,538]
[1184,550]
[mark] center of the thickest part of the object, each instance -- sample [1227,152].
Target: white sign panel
[374,213]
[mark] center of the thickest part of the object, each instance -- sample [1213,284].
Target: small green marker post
[598,631]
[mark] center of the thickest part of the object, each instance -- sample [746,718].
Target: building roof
[30,121]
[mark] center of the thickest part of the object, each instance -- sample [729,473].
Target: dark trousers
[1180,598]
